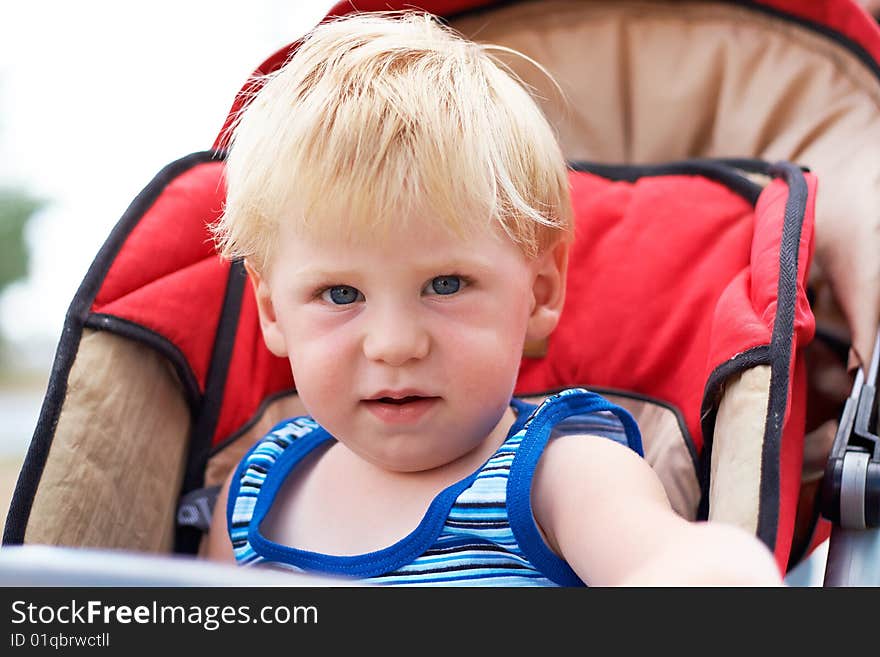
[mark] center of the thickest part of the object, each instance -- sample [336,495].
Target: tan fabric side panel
[115,467]
[735,480]
[665,451]
[658,81]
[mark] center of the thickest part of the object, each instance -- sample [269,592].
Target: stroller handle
[851,489]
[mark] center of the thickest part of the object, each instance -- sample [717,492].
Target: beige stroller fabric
[648,82]
[116,463]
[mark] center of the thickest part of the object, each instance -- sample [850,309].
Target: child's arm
[604,510]
[219,545]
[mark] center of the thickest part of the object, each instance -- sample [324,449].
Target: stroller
[727,193]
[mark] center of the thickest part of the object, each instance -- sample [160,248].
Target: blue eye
[446,284]
[341,295]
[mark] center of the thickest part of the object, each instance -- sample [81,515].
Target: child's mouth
[397,410]
[402,400]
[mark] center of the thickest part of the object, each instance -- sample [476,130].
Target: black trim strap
[781,345]
[720,171]
[187,538]
[65,354]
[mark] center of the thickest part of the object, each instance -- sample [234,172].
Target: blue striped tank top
[479,531]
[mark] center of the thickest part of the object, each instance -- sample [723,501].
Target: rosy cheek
[331,350]
[318,375]
[322,343]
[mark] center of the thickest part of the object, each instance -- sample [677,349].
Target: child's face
[406,348]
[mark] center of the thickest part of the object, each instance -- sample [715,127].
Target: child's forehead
[412,242]
[398,230]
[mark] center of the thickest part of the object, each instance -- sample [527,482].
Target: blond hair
[378,117]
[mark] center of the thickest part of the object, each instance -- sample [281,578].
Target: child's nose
[395,337]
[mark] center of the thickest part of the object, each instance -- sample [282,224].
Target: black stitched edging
[777,355]
[854,47]
[128,329]
[780,349]
[254,419]
[187,538]
[71,334]
[718,170]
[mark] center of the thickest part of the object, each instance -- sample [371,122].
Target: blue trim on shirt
[370,564]
[519,508]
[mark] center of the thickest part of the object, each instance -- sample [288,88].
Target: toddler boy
[403,210]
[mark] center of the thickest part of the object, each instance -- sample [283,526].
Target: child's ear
[272,334]
[548,292]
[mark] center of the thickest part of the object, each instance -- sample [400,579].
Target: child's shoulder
[577,411]
[590,464]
